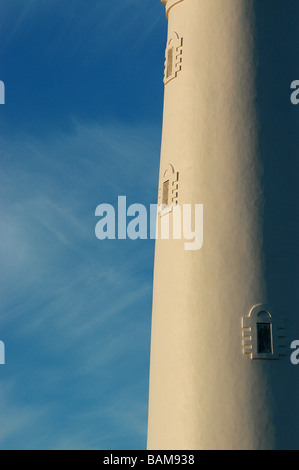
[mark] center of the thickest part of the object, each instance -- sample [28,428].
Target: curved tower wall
[214,383]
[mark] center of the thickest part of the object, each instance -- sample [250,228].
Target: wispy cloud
[78,308]
[16,417]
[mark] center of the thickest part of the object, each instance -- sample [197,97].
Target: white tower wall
[206,389]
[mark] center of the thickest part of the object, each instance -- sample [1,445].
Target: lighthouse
[224,315]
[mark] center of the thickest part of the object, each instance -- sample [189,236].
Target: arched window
[263,336]
[168,189]
[173,57]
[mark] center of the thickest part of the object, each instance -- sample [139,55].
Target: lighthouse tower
[225,315]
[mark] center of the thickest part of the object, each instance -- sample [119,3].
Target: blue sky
[81,126]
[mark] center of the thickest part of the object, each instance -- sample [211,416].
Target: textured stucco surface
[204,393]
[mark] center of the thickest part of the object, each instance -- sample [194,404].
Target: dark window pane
[169,62]
[264,338]
[165,192]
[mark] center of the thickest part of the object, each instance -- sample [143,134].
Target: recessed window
[169,68]
[165,192]
[168,190]
[173,57]
[264,338]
